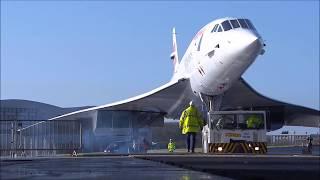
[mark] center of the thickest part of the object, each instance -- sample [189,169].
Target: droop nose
[250,43]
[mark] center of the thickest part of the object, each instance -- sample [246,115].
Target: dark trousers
[191,136]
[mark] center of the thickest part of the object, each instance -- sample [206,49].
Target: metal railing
[291,140]
[43,138]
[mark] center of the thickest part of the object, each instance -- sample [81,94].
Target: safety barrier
[42,138]
[294,140]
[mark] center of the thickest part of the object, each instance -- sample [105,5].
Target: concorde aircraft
[209,74]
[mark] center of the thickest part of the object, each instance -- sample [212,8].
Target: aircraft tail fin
[174,55]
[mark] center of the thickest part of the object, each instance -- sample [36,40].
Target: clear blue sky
[92,53]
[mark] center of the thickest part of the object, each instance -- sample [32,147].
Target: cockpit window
[250,24]
[226,25]
[235,23]
[232,24]
[243,23]
[199,43]
[215,28]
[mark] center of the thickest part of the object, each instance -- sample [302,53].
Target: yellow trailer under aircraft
[235,132]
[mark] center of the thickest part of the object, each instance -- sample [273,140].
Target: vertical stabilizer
[174,55]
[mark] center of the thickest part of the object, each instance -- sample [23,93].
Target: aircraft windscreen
[235,23]
[232,24]
[215,28]
[226,25]
[243,23]
[250,24]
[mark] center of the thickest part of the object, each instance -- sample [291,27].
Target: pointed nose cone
[250,37]
[251,43]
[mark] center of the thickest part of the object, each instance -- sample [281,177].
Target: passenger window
[243,23]
[235,23]
[215,28]
[226,25]
[250,24]
[219,29]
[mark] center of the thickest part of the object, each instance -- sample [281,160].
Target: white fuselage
[214,60]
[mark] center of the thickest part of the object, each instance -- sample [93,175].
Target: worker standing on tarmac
[191,123]
[171,146]
[309,145]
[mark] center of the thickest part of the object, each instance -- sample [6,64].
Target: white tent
[295,130]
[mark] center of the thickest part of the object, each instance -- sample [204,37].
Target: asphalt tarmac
[179,166]
[96,167]
[246,166]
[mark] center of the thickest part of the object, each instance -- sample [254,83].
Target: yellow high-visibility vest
[190,120]
[254,122]
[171,147]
